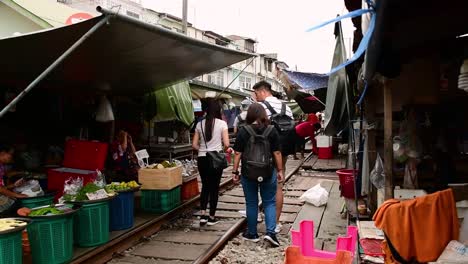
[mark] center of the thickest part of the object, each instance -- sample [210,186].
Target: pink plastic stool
[304,238]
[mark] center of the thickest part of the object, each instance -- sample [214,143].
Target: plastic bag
[377,175]
[104,112]
[316,195]
[100,179]
[30,188]
[70,189]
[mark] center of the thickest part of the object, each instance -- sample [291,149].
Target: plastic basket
[347,182]
[34,202]
[91,224]
[121,211]
[157,201]
[11,248]
[51,240]
[189,189]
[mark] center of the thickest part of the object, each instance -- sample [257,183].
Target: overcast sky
[278,26]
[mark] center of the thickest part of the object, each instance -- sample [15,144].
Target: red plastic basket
[189,189]
[347,182]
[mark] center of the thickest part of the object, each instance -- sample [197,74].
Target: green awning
[174,103]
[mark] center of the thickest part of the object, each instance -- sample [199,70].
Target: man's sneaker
[203,220]
[278,228]
[249,237]
[212,221]
[243,213]
[272,239]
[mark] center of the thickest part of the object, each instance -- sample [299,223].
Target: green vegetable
[45,211]
[88,188]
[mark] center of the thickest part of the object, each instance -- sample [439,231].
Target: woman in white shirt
[210,135]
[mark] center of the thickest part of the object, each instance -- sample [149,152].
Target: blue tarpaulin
[307,81]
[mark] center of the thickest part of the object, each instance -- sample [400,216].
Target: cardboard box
[160,179]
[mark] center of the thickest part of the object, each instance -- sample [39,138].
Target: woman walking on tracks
[257,145]
[210,135]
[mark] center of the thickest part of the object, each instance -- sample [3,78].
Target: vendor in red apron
[7,196]
[308,129]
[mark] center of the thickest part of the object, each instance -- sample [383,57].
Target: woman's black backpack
[256,158]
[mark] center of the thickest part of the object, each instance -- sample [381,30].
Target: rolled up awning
[125,56]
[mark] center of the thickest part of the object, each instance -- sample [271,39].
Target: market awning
[406,29]
[306,80]
[124,56]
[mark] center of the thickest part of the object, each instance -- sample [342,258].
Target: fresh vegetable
[7,224]
[88,188]
[45,211]
[122,186]
[24,211]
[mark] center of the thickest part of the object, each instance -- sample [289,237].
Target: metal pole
[184,16]
[388,141]
[224,90]
[53,66]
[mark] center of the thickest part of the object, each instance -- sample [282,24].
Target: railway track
[177,237]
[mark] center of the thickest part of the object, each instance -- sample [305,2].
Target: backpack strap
[267,131]
[283,108]
[250,130]
[240,119]
[268,105]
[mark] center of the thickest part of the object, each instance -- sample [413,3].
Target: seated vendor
[123,156]
[7,196]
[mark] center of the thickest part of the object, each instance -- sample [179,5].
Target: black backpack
[240,122]
[282,122]
[256,158]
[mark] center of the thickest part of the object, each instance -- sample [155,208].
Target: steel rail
[237,227]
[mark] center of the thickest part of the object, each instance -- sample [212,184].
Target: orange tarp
[419,229]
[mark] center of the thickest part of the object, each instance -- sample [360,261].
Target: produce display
[163,165]
[84,193]
[50,210]
[121,186]
[8,224]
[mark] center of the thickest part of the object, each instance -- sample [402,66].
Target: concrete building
[263,66]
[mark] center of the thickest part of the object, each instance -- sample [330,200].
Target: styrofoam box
[406,194]
[324,141]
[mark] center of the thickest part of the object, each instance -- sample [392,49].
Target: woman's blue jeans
[268,194]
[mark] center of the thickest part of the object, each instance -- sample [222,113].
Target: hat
[245,104]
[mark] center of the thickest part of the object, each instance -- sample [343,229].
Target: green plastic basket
[51,239]
[91,224]
[34,202]
[158,201]
[11,251]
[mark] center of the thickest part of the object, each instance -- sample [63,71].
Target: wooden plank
[235,192]
[165,250]
[224,214]
[288,218]
[190,237]
[231,199]
[332,224]
[310,212]
[293,193]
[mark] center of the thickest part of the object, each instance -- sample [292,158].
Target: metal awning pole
[49,69]
[233,79]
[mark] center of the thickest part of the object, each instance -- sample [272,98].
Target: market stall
[85,87]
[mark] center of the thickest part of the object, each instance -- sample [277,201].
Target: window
[245,82]
[216,78]
[133,14]
[220,78]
